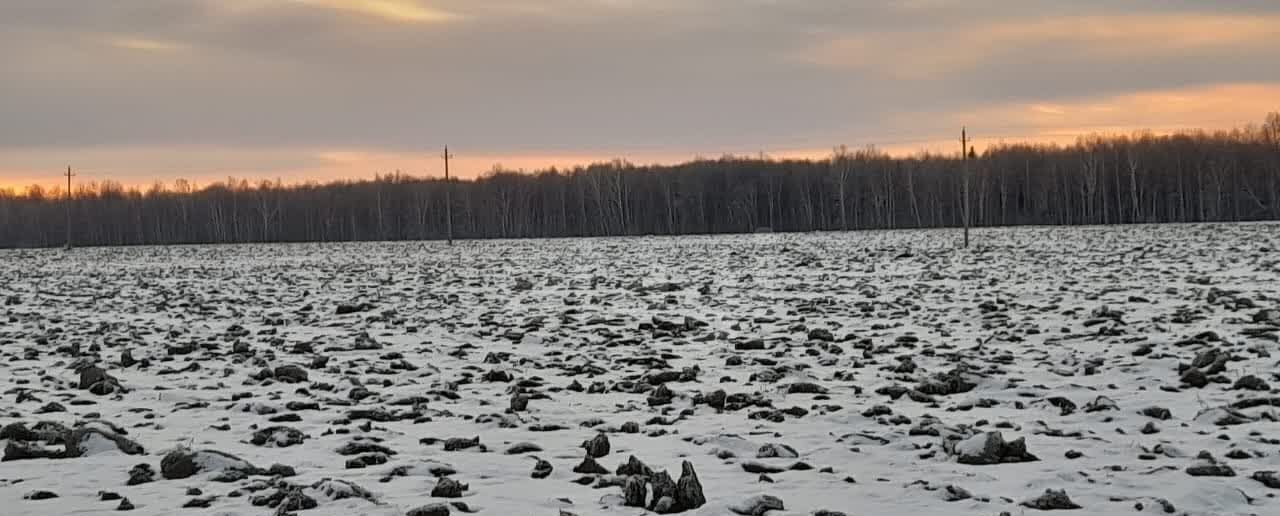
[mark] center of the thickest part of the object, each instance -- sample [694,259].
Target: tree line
[1193,176]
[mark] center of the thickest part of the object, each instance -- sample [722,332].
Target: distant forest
[1140,178]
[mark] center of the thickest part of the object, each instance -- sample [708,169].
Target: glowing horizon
[360,165]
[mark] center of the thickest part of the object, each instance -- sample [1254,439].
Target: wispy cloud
[1047,109]
[1216,106]
[912,54]
[404,11]
[144,44]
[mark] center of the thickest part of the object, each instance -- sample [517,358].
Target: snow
[972,446]
[208,461]
[445,309]
[95,443]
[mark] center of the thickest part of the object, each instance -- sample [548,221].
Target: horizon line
[894,150]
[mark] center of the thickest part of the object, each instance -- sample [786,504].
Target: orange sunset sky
[138,91]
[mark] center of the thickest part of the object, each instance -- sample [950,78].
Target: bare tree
[1190,176]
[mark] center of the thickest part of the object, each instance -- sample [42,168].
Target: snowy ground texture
[1110,370]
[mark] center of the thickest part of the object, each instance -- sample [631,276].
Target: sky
[143,90]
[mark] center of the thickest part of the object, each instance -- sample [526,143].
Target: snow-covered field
[864,373]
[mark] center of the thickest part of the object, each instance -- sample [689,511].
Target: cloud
[404,11]
[1047,109]
[287,80]
[935,52]
[1162,111]
[144,44]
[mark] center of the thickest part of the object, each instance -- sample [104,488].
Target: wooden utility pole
[448,197]
[964,160]
[68,203]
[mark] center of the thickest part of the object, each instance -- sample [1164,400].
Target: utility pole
[448,196]
[964,160]
[68,203]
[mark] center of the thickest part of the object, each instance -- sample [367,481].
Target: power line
[964,158]
[448,196]
[68,203]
